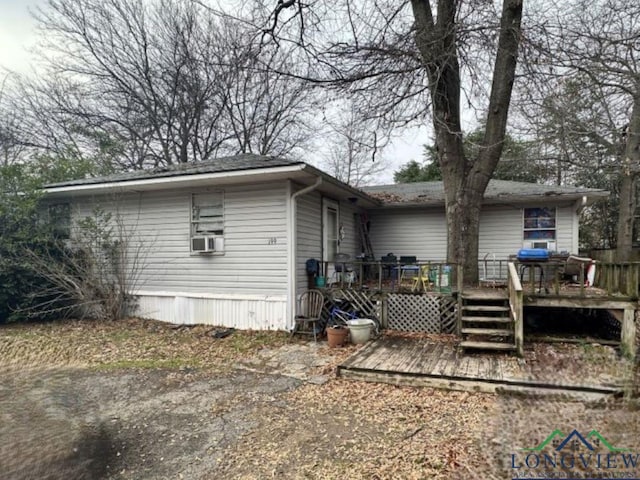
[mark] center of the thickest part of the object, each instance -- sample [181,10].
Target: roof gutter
[292,244]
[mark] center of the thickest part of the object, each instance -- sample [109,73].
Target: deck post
[460,285]
[384,310]
[628,334]
[516,303]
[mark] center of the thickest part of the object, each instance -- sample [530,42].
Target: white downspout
[292,245]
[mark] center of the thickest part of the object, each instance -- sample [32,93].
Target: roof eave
[177,181]
[591,197]
[368,200]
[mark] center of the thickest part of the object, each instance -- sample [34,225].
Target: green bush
[21,229]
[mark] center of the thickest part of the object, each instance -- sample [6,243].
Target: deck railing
[493,271]
[622,278]
[516,307]
[542,278]
[419,276]
[555,277]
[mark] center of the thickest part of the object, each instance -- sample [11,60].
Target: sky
[18,35]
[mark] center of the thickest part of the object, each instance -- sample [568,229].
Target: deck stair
[486,324]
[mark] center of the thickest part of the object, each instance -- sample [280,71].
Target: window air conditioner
[203,244]
[551,246]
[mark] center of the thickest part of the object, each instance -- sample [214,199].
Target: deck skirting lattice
[421,313]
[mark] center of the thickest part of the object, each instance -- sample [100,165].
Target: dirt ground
[142,400]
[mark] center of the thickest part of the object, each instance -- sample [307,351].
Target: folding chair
[408,270]
[309,312]
[423,279]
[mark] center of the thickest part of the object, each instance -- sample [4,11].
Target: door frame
[328,204]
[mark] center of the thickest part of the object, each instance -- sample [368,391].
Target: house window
[60,220]
[207,222]
[539,225]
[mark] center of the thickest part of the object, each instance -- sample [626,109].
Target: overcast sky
[18,35]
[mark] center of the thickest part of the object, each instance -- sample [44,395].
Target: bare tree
[263,112]
[11,145]
[594,48]
[155,83]
[407,60]
[138,74]
[354,152]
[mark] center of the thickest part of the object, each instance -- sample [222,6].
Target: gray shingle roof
[498,191]
[420,193]
[223,164]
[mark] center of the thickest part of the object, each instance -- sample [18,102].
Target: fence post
[628,334]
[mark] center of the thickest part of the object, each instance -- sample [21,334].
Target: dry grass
[357,430]
[342,429]
[125,344]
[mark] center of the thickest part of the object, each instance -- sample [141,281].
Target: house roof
[261,168]
[234,163]
[245,168]
[498,192]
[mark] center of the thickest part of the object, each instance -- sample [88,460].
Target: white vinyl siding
[409,232]
[501,230]
[422,232]
[309,233]
[567,229]
[351,242]
[255,240]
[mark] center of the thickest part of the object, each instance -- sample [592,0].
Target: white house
[227,240]
[515,215]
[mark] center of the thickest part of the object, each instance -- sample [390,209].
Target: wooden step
[466,318]
[496,332]
[487,345]
[485,308]
[488,296]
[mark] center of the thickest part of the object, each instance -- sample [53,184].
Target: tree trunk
[629,173]
[625,216]
[465,180]
[463,228]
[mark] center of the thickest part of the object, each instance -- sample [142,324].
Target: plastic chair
[423,280]
[309,312]
[408,269]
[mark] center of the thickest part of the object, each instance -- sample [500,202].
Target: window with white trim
[207,222]
[539,225]
[60,219]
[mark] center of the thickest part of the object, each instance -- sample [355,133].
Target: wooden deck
[420,362]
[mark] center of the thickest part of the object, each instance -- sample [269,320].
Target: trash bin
[441,278]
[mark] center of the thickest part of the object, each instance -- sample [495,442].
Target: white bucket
[360,329]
